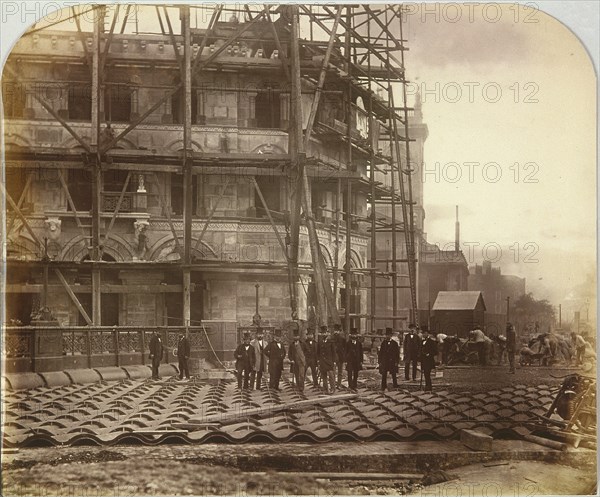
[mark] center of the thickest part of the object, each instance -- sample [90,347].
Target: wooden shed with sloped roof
[457,313]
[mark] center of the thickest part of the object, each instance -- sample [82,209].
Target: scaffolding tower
[356,51]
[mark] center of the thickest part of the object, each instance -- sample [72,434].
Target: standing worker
[260,364]
[156,353]
[275,352]
[411,352]
[311,353]
[428,353]
[340,352]
[511,346]
[183,354]
[244,361]
[354,359]
[389,357]
[298,360]
[326,360]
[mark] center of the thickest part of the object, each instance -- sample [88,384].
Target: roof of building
[457,301]
[432,254]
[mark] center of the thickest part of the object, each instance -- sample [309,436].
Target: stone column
[134,105]
[284,112]
[167,117]
[200,115]
[252,110]
[29,111]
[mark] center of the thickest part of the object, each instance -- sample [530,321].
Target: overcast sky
[513,89]
[509,97]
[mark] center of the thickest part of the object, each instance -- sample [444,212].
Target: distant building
[440,270]
[496,287]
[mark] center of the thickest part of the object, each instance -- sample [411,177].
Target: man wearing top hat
[411,346]
[354,359]
[327,360]
[389,357]
[275,353]
[340,352]
[428,353]
[311,353]
[298,360]
[244,361]
[156,353]
[260,365]
[183,354]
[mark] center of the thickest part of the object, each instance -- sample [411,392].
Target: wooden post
[96,169]
[295,169]
[348,274]
[187,164]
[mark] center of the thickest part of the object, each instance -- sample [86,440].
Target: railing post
[88,334]
[32,350]
[143,345]
[117,348]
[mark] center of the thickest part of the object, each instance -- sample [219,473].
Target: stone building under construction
[203,169]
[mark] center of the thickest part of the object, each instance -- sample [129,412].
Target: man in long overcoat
[183,354]
[428,353]
[411,352]
[311,353]
[340,353]
[298,360]
[260,365]
[275,353]
[354,358]
[388,356]
[156,353]
[244,361]
[327,360]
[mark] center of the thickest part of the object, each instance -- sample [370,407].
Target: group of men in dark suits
[325,358]
[253,358]
[416,347]
[157,354]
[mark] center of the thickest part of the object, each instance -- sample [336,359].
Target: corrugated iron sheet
[146,412]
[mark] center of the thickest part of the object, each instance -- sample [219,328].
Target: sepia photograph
[298,249]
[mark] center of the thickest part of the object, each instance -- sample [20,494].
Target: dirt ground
[163,470]
[168,470]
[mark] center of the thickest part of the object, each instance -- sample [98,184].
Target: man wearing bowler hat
[275,353]
[389,357]
[428,353]
[354,359]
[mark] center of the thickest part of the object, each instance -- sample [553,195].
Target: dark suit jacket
[276,356]
[428,353]
[311,352]
[412,344]
[511,338]
[156,347]
[388,356]
[354,355]
[183,348]
[326,355]
[339,345]
[244,358]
